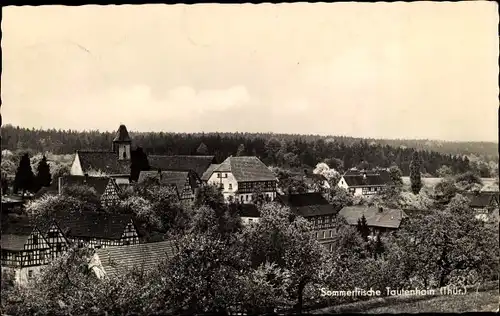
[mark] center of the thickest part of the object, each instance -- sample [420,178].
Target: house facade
[25,251]
[106,187]
[316,209]
[364,183]
[98,230]
[114,163]
[55,238]
[485,205]
[240,178]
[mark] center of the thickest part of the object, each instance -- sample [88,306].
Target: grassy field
[488,183]
[473,302]
[484,300]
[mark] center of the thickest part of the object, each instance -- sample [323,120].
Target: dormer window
[124,155]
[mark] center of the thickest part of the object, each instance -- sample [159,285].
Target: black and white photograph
[250,159]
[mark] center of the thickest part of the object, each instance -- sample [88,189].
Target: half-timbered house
[105,187]
[98,230]
[25,251]
[315,208]
[485,205]
[186,183]
[54,236]
[365,182]
[241,177]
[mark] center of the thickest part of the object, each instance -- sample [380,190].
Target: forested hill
[276,149]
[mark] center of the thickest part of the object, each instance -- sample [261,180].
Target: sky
[418,70]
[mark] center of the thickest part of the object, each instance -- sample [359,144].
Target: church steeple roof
[122,135]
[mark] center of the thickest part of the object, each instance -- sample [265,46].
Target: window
[30,273]
[331,233]
[218,175]
[230,186]
[248,197]
[323,234]
[35,239]
[250,219]
[242,198]
[124,155]
[225,175]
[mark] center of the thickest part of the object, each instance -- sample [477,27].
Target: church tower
[122,143]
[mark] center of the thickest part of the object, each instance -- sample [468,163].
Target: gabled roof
[208,173]
[98,183]
[360,180]
[122,135]
[168,178]
[198,164]
[119,260]
[307,204]
[483,199]
[245,210]
[246,168]
[389,218]
[104,161]
[93,224]
[15,232]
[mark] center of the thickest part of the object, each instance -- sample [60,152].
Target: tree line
[291,151]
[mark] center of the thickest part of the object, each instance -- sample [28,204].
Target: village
[93,208]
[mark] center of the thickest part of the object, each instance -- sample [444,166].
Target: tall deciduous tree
[43,177]
[396,176]
[24,179]
[415,176]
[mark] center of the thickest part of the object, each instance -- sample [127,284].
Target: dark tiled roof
[307,204]
[119,260]
[93,224]
[208,173]
[15,232]
[104,161]
[245,210]
[246,169]
[198,164]
[483,199]
[168,178]
[359,180]
[50,190]
[122,135]
[389,218]
[98,183]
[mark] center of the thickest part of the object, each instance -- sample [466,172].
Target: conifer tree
[363,228]
[24,179]
[415,177]
[43,177]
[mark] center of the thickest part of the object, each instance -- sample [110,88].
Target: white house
[364,182]
[240,177]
